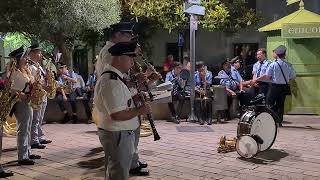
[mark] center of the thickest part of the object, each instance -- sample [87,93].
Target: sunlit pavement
[76,153]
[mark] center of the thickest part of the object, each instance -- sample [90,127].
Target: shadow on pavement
[301,127]
[92,163]
[94,152]
[91,132]
[9,149]
[10,164]
[266,157]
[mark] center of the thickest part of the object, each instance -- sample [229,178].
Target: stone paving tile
[76,153]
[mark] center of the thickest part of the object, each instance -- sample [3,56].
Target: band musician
[66,79]
[38,138]
[177,91]
[118,118]
[203,101]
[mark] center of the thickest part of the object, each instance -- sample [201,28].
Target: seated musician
[203,82]
[232,80]
[246,90]
[66,79]
[177,91]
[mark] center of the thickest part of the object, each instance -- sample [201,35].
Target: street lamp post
[193,8]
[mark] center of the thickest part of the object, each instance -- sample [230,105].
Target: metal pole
[193,64]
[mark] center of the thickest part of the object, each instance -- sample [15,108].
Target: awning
[301,16]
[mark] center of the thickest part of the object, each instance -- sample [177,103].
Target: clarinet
[149,116]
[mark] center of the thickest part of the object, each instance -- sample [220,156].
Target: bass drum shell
[247,147]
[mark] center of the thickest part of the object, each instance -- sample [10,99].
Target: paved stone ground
[76,154]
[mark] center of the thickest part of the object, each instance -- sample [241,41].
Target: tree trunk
[60,42]
[66,52]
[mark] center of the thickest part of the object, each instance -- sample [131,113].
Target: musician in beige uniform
[22,80]
[118,118]
[120,32]
[35,65]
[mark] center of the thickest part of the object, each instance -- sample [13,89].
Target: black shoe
[209,122]
[171,119]
[45,141]
[177,121]
[201,122]
[34,156]
[5,174]
[38,146]
[26,162]
[142,164]
[74,119]
[90,121]
[139,172]
[66,118]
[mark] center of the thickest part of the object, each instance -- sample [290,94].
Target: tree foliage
[228,15]
[59,21]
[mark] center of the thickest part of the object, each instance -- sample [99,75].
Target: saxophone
[7,101]
[51,82]
[37,92]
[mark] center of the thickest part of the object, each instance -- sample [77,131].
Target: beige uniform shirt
[113,96]
[104,58]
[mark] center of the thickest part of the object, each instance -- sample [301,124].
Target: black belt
[273,84]
[263,83]
[114,131]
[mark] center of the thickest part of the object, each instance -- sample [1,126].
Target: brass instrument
[9,126]
[7,101]
[37,92]
[67,86]
[51,82]
[227,145]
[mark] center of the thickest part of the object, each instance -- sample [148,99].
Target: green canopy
[299,17]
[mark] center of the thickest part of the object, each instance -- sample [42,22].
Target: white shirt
[20,81]
[34,70]
[113,96]
[80,82]
[104,58]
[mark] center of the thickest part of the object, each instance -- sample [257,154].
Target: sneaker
[47,141]
[38,146]
[139,172]
[34,156]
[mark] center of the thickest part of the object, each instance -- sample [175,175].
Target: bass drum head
[247,147]
[265,127]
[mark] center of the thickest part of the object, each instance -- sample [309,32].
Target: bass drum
[261,124]
[247,147]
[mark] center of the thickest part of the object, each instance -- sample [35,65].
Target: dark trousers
[263,88]
[172,109]
[72,98]
[203,109]
[276,99]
